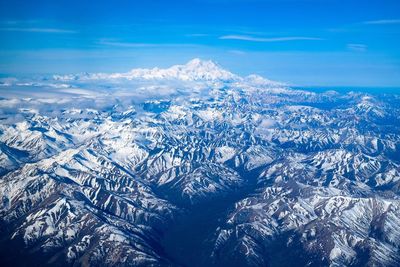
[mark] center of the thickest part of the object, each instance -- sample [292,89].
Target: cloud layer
[268,40]
[40,30]
[382,22]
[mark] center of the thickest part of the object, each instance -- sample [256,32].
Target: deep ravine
[189,239]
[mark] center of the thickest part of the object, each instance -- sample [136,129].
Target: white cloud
[382,22]
[268,40]
[125,44]
[115,43]
[43,30]
[357,47]
[197,35]
[237,52]
[19,22]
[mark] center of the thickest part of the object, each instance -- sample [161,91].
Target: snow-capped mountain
[194,70]
[195,166]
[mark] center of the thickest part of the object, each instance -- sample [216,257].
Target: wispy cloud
[382,22]
[197,35]
[237,52]
[268,40]
[121,44]
[357,47]
[40,30]
[19,22]
[125,44]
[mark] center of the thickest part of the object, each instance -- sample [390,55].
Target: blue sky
[306,42]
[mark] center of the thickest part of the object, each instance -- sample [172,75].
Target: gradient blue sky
[306,42]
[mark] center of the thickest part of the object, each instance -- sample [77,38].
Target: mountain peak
[197,69]
[194,70]
[197,62]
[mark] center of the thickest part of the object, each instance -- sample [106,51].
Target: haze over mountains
[196,166]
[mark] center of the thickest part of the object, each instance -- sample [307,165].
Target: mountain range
[196,166]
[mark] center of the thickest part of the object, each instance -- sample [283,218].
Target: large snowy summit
[195,70]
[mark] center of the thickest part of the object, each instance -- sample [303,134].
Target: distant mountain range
[196,166]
